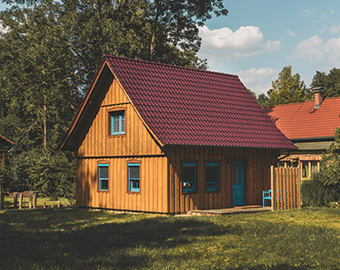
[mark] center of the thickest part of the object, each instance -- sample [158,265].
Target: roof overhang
[313,139]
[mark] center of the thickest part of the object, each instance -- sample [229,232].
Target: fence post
[34,200]
[298,183]
[2,204]
[272,187]
[21,198]
[15,202]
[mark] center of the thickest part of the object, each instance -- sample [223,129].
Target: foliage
[262,100]
[48,58]
[75,238]
[40,169]
[325,185]
[315,193]
[330,83]
[287,88]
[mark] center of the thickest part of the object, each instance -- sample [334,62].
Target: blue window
[133,175]
[211,176]
[103,176]
[117,122]
[189,172]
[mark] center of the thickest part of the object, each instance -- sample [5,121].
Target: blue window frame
[211,176]
[117,122]
[189,175]
[133,177]
[103,177]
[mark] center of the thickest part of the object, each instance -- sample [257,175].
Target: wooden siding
[257,176]
[137,144]
[97,141]
[153,185]
[285,188]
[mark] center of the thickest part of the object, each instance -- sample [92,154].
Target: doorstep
[231,210]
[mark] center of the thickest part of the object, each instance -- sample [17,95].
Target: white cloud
[257,79]
[331,12]
[308,12]
[310,49]
[245,41]
[335,29]
[314,49]
[291,33]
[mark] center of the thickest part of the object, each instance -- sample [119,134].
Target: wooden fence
[285,188]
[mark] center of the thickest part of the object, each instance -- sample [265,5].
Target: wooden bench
[23,194]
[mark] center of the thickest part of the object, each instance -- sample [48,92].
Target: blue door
[238,185]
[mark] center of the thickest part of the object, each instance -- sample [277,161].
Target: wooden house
[160,138]
[5,145]
[310,125]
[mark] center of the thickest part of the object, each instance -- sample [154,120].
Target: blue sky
[259,38]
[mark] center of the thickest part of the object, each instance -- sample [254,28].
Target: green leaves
[287,88]
[330,82]
[50,53]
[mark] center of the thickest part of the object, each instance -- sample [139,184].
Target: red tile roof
[185,106]
[194,107]
[301,120]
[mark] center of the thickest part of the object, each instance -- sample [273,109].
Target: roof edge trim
[81,107]
[159,142]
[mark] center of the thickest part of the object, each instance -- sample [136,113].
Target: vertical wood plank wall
[286,188]
[137,144]
[257,176]
[153,185]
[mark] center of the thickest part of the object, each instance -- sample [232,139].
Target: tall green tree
[49,55]
[287,88]
[330,82]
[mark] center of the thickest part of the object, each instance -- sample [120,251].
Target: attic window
[117,120]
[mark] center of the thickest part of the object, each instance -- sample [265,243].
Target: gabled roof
[183,106]
[5,140]
[303,121]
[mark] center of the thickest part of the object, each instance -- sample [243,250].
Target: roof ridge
[168,65]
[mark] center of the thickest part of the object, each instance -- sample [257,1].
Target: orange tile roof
[301,120]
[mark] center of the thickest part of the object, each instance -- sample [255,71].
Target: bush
[316,193]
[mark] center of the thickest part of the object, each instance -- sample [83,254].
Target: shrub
[316,193]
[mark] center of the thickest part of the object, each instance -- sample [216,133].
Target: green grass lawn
[75,238]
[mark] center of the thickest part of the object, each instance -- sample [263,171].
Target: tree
[325,185]
[262,100]
[287,88]
[38,80]
[50,53]
[330,82]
